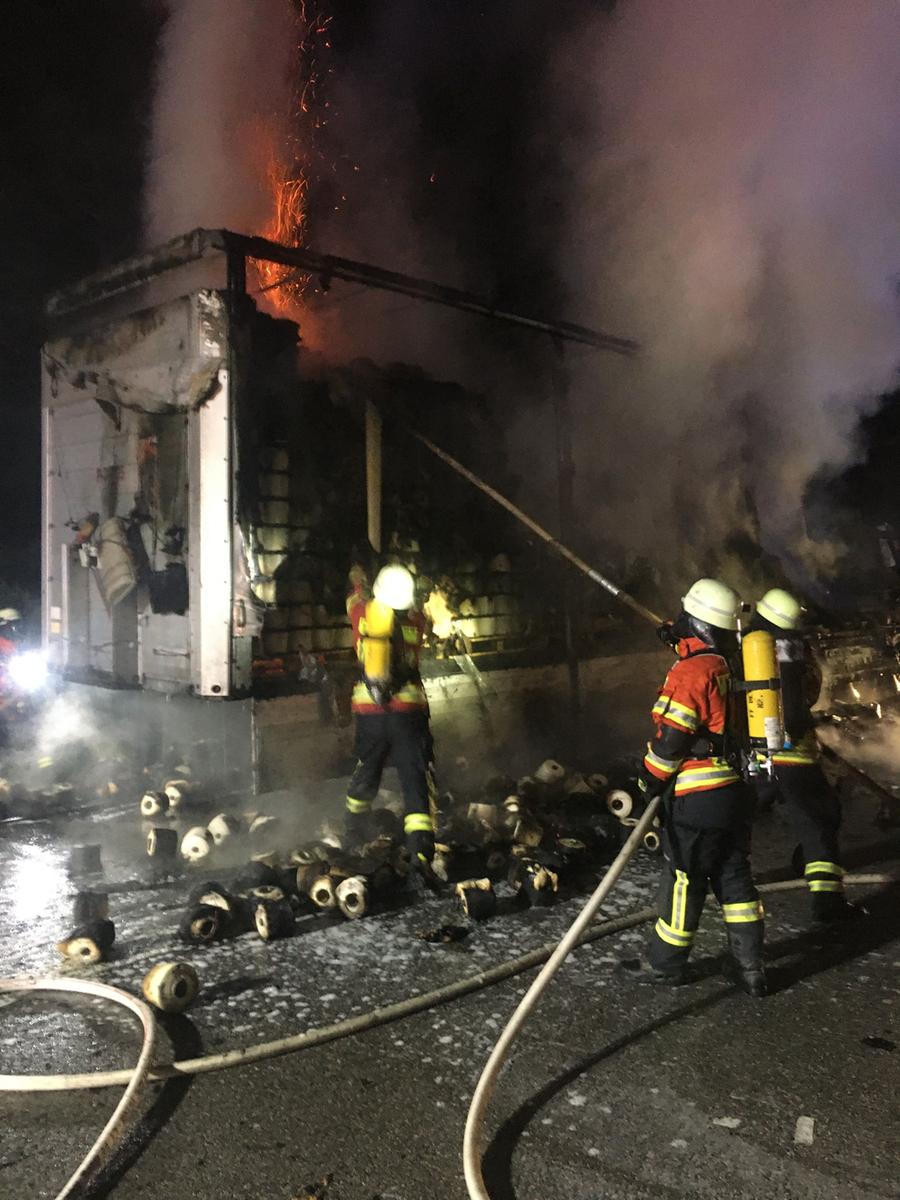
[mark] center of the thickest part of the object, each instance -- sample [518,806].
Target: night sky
[74,122]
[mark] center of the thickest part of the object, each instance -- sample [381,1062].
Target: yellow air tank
[764,716]
[375,630]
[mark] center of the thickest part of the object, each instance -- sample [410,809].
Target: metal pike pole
[540,531]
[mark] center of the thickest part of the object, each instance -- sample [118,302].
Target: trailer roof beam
[325,267]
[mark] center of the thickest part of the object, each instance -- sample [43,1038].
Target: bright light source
[37,883]
[28,670]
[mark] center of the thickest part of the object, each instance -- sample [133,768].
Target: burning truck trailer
[208,484]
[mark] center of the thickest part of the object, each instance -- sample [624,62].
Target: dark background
[76,115]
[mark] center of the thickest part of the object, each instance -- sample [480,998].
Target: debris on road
[171,986]
[85,860]
[90,943]
[162,843]
[477,898]
[729,1122]
[878,1043]
[442,935]
[804,1132]
[90,906]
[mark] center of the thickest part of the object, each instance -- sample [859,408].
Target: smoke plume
[734,174]
[716,180]
[221,115]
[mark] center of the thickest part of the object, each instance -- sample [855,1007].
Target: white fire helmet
[714,602]
[780,608]
[395,587]
[9,616]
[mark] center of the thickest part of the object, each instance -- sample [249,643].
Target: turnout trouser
[698,858]
[814,812]
[404,739]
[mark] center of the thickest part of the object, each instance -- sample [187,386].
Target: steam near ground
[716,180]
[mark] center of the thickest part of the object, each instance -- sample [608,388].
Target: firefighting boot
[420,848]
[831,908]
[746,944]
[359,828]
[641,971]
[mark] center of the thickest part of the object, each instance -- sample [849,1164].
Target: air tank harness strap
[756,685]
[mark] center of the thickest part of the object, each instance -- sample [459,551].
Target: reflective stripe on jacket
[692,703]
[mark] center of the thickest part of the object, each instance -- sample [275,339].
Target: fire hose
[485,1086]
[552,956]
[576,560]
[137,1077]
[351,1025]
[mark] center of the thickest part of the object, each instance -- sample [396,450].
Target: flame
[288,167]
[284,286]
[878,711]
[855,690]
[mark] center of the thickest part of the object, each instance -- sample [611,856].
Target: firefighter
[9,628]
[9,621]
[707,807]
[391,708]
[810,803]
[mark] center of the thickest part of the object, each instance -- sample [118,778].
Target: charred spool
[321,892]
[171,986]
[620,803]
[154,804]
[91,943]
[551,773]
[178,792]
[90,906]
[195,845]
[162,843]
[267,891]
[255,874]
[274,919]
[85,860]
[223,827]
[353,897]
[538,885]
[203,924]
[477,898]
[211,895]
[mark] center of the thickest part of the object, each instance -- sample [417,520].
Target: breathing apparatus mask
[723,641]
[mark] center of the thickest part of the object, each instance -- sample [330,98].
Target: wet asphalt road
[613,1090]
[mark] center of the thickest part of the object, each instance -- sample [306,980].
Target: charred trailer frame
[151,567]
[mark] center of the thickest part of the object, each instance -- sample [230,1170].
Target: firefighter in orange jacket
[708,809]
[809,801]
[391,709]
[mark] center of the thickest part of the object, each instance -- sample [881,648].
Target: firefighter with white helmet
[391,708]
[692,760]
[9,620]
[809,801]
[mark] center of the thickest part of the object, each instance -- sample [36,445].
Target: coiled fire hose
[137,1077]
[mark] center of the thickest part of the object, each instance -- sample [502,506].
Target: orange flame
[282,286]
[288,170]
